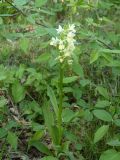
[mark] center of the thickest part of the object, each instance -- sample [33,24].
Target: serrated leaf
[102,115]
[100,133]
[18,92]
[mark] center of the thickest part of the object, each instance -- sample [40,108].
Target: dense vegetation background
[29,80]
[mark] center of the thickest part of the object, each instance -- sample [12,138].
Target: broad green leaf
[117,122]
[12,124]
[110,155]
[71,136]
[70,79]
[114,143]
[102,104]
[103,91]
[49,158]
[3,132]
[100,133]
[40,31]
[39,3]
[37,135]
[94,56]
[24,44]
[85,82]
[88,116]
[37,127]
[67,115]
[53,99]
[77,68]
[12,139]
[18,92]
[43,58]
[78,146]
[41,147]
[103,115]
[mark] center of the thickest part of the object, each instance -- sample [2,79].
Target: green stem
[60,101]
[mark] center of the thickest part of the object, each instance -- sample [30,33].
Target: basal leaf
[41,147]
[48,116]
[53,99]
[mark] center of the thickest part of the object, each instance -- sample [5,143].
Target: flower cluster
[65,42]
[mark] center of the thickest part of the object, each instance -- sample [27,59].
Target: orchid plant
[65,43]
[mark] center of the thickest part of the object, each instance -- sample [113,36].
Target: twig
[23,13]
[104,44]
[15,8]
